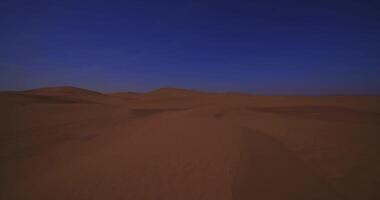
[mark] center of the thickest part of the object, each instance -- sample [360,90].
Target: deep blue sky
[264,47]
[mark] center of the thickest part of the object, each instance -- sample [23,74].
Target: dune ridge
[63,90]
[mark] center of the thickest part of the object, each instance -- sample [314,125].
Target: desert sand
[173,144]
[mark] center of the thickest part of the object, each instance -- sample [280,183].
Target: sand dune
[72,143]
[61,91]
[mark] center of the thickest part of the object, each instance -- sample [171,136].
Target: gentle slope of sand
[170,144]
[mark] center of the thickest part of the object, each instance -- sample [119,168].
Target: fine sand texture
[66,143]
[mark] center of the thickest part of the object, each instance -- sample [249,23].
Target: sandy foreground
[171,144]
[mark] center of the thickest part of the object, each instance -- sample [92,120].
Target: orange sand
[171,144]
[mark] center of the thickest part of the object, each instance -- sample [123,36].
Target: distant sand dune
[61,91]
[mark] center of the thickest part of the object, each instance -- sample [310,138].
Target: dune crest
[59,91]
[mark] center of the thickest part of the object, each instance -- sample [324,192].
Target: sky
[264,47]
